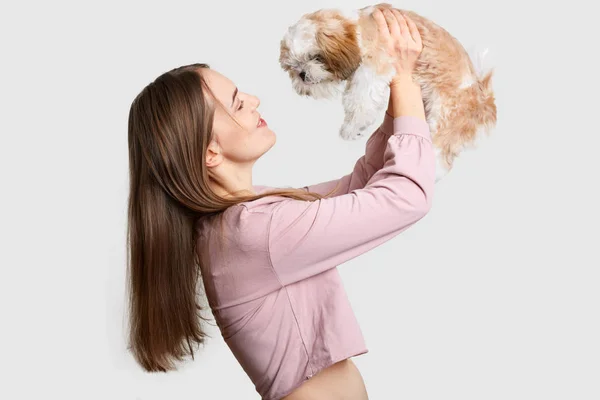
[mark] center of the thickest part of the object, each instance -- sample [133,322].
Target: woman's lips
[261,123]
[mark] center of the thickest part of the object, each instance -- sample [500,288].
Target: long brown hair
[169,129]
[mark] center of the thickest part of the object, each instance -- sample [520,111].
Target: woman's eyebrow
[233,98]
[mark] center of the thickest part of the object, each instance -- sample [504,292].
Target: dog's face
[319,52]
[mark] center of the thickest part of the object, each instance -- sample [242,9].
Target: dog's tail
[479,62]
[486,115]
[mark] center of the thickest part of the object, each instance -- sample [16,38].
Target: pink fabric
[272,281]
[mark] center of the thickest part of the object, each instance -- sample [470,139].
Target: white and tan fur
[338,52]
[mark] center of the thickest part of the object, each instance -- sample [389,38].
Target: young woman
[267,257]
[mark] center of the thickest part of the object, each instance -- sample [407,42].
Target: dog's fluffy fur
[328,52]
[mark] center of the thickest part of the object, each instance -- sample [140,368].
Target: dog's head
[319,52]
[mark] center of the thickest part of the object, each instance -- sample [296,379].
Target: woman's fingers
[402,24]
[414,32]
[392,23]
[381,24]
[398,33]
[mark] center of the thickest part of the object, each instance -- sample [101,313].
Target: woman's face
[239,145]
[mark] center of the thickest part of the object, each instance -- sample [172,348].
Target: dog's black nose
[303,75]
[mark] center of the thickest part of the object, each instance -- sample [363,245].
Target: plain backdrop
[493,295]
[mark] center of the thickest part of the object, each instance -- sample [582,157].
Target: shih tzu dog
[329,52]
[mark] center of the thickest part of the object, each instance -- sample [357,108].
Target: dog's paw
[351,130]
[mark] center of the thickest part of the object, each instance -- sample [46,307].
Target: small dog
[328,51]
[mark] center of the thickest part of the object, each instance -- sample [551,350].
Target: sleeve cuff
[387,126]
[408,124]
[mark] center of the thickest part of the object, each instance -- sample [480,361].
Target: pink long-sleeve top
[272,281]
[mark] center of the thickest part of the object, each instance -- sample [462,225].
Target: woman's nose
[257,101]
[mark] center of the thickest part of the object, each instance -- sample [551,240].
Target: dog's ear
[284,53]
[339,46]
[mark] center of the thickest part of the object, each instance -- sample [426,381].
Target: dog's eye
[319,58]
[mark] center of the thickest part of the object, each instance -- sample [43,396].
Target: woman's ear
[213,154]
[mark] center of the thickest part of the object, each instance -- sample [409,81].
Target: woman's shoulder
[264,205]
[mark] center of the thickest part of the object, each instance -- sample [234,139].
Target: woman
[267,256]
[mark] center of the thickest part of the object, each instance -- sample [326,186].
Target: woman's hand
[399,35]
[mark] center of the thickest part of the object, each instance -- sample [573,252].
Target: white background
[493,295]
